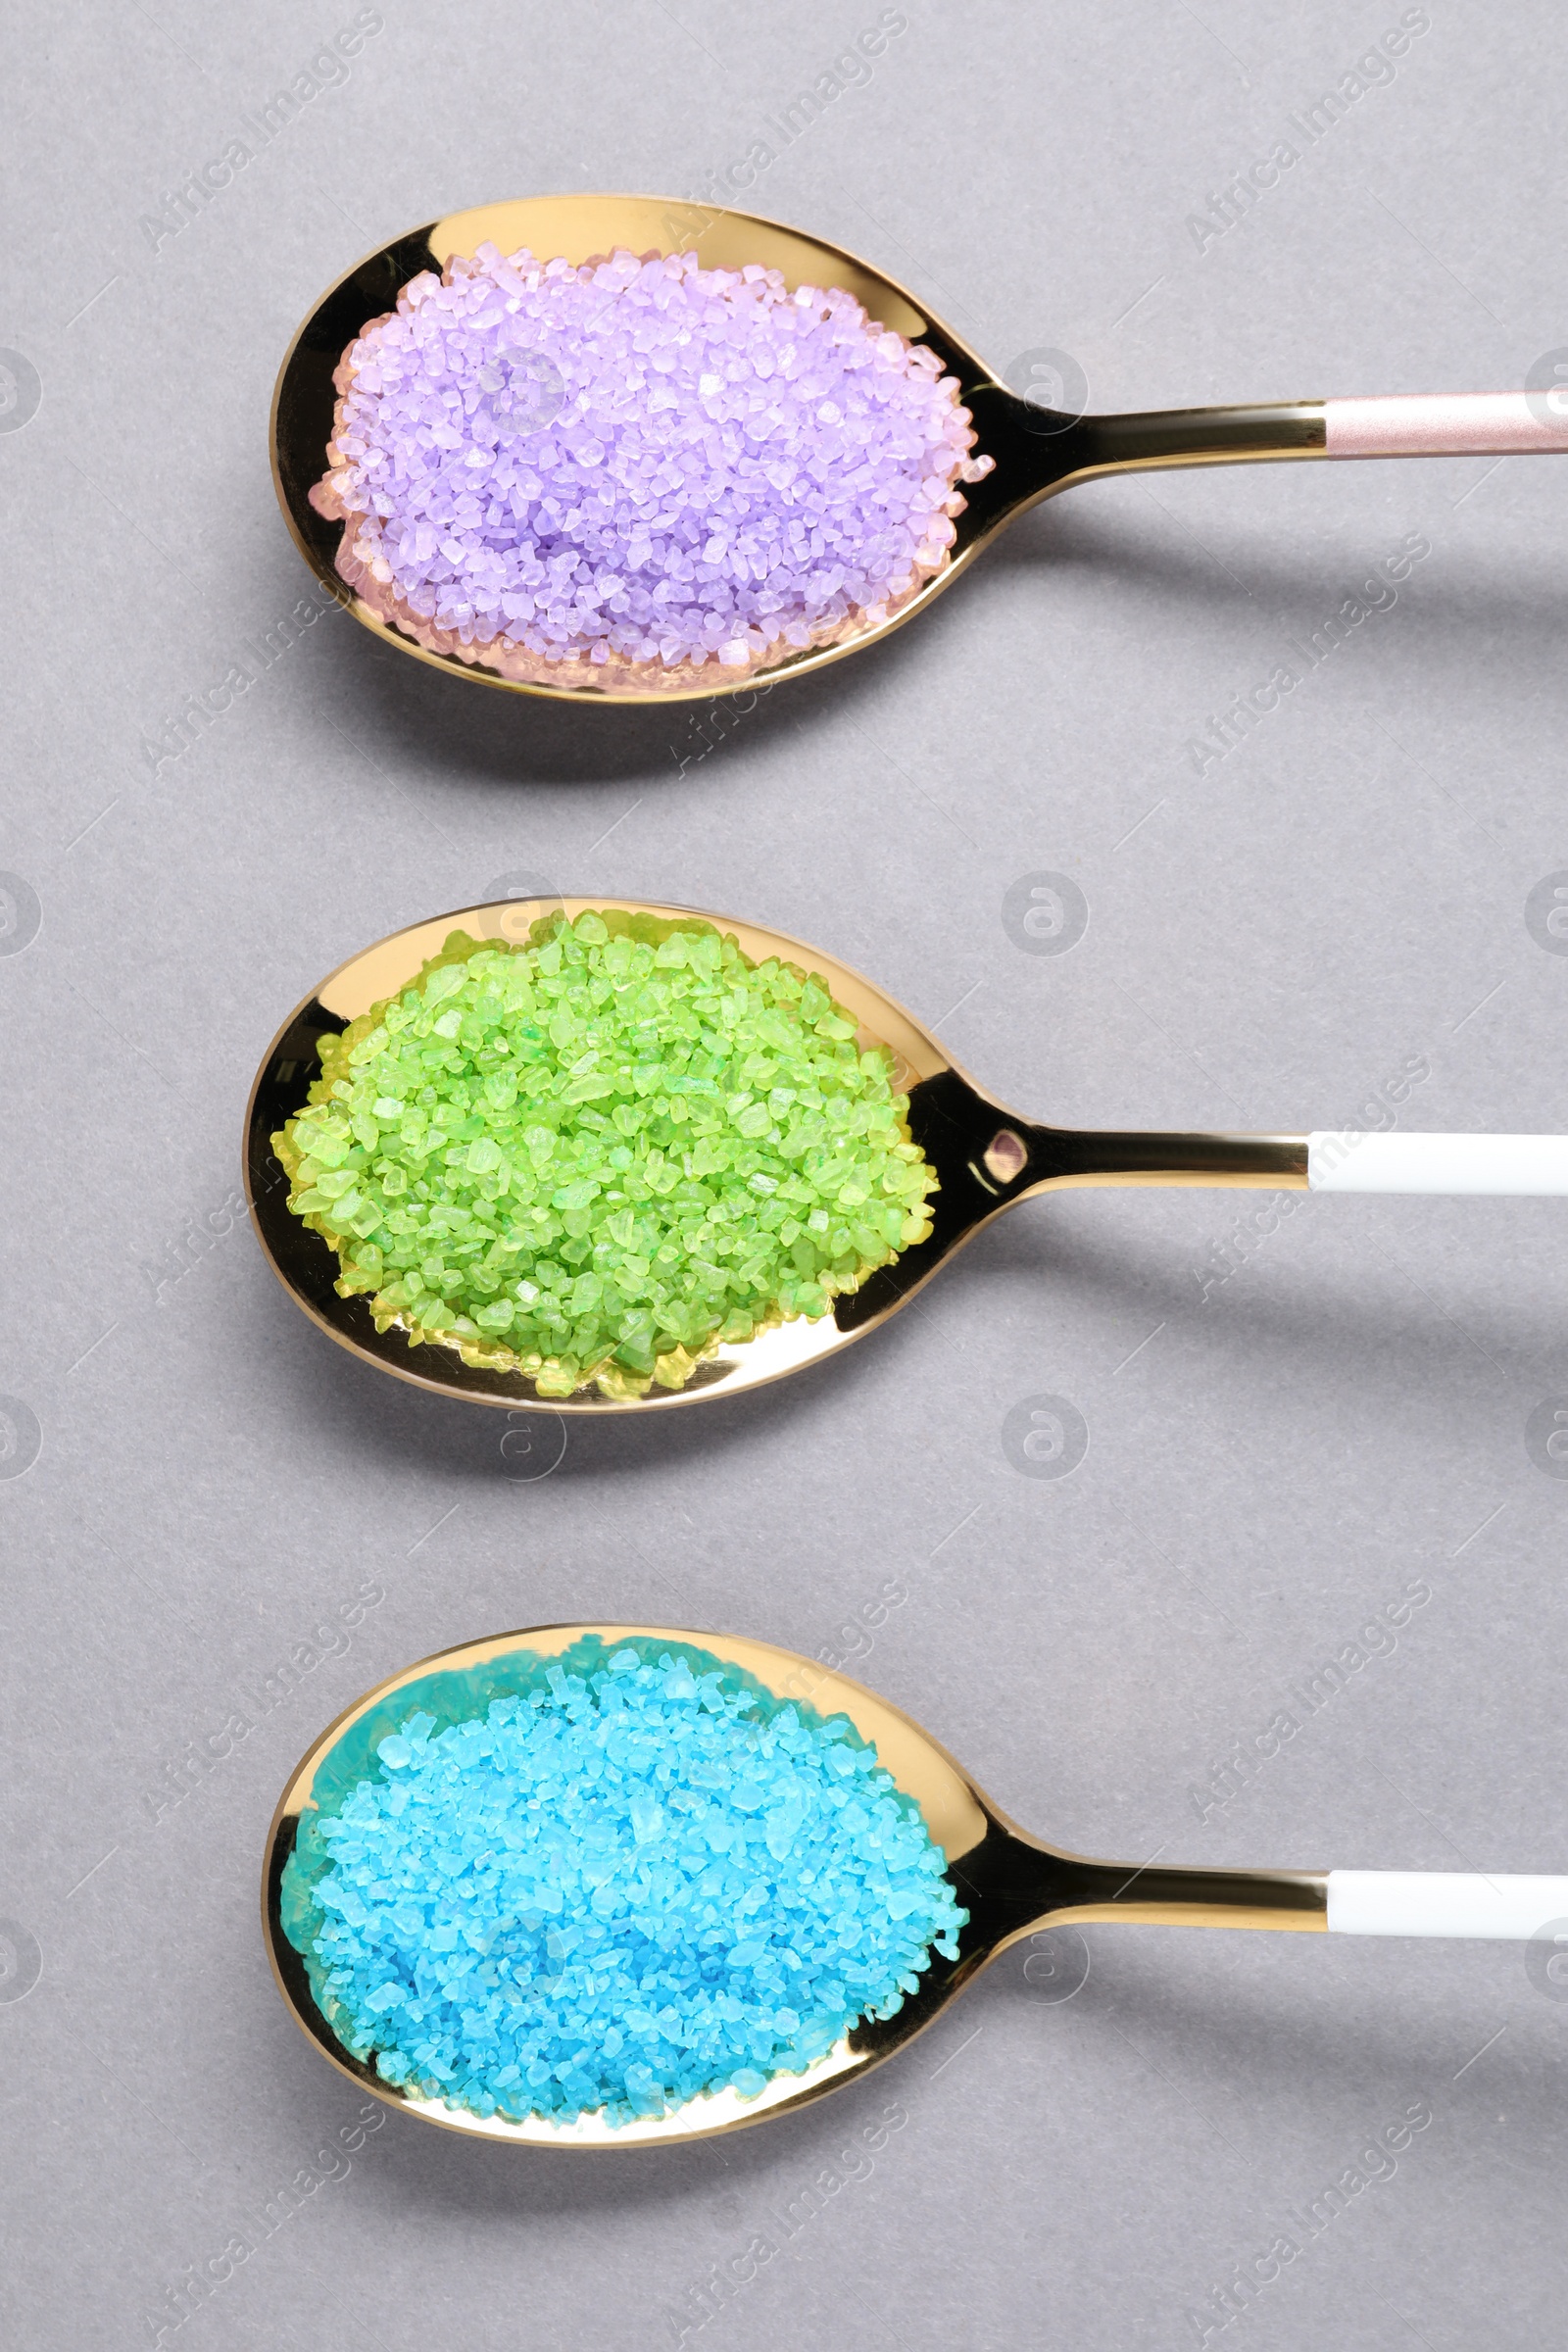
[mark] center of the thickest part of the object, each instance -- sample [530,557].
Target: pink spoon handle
[1405,424]
[1434,425]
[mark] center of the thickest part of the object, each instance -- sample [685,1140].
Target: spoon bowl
[1010,1883]
[576,228]
[307,1268]
[986,1158]
[1033,450]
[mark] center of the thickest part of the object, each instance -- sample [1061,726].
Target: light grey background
[1269,941]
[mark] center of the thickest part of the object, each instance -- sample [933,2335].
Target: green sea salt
[595,1158]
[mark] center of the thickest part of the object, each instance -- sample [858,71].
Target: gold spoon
[1036,450]
[1010,1883]
[985,1155]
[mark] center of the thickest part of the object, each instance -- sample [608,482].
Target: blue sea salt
[630,1877]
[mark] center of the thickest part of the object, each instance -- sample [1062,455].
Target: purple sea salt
[636,472]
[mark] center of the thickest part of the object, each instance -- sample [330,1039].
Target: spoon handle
[1176,1895]
[1421,424]
[1515,1909]
[1437,425]
[1391,1162]
[1056,1158]
[1436,1902]
[1339,1160]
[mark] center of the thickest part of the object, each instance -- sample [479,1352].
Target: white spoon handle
[1391,1162]
[1436,1902]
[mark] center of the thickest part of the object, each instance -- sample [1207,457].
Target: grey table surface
[1290,1425]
